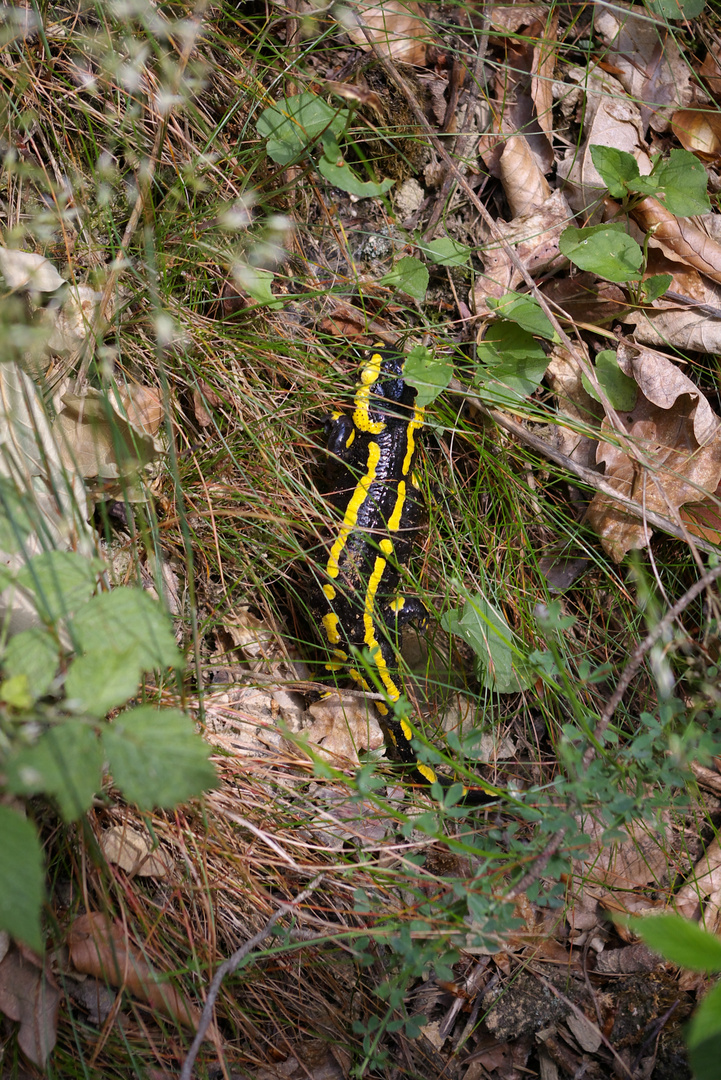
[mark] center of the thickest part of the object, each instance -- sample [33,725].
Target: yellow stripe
[397,604]
[351,515]
[394,521]
[330,625]
[415,424]
[369,375]
[329,591]
[370,634]
[386,547]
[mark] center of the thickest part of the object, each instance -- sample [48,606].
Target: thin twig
[228,967]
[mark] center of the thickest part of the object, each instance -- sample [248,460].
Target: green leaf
[526,312]
[66,762]
[606,250]
[445,251]
[15,692]
[336,170]
[127,619]
[295,122]
[704,1037]
[258,284]
[100,681]
[483,628]
[22,879]
[156,758]
[679,940]
[511,364]
[620,390]
[60,581]
[410,276]
[655,286]
[428,373]
[616,168]
[33,653]
[681,183]
[676,9]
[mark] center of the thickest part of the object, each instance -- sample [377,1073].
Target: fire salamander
[375,493]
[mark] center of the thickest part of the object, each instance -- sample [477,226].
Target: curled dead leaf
[678,435]
[99,946]
[680,239]
[397,28]
[343,725]
[30,997]
[698,130]
[525,185]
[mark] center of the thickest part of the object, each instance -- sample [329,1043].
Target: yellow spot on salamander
[415,424]
[415,482]
[426,772]
[369,636]
[394,521]
[361,418]
[406,729]
[329,592]
[397,603]
[350,440]
[350,518]
[386,547]
[330,625]
[339,654]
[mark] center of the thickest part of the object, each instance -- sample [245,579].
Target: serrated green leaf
[295,122]
[681,183]
[620,390]
[22,879]
[127,619]
[156,758]
[511,364]
[526,312]
[33,653]
[616,168]
[606,250]
[60,581]
[66,762]
[428,373]
[679,940]
[102,680]
[337,171]
[704,1037]
[410,276]
[445,251]
[482,627]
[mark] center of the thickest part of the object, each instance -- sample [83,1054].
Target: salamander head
[383,375]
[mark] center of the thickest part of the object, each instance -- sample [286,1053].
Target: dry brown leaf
[564,377]
[680,239]
[535,238]
[610,118]
[524,184]
[710,70]
[144,407]
[132,851]
[512,17]
[704,888]
[679,435]
[99,946]
[98,440]
[669,321]
[647,59]
[543,65]
[342,726]
[516,111]
[30,997]
[397,28]
[633,862]
[698,130]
